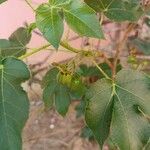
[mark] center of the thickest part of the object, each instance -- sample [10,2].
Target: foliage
[114,99]
[16,43]
[14,105]
[118,106]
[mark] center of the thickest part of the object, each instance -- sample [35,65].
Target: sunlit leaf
[50,23]
[82,19]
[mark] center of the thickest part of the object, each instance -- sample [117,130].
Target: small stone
[52,126]
[36,121]
[38,103]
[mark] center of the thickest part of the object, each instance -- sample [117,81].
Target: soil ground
[47,130]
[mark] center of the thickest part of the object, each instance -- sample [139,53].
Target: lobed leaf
[78,15]
[117,110]
[82,19]
[50,23]
[55,93]
[59,90]
[16,44]
[118,10]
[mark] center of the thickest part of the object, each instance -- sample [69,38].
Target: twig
[101,70]
[29,4]
[119,48]
[34,50]
[67,46]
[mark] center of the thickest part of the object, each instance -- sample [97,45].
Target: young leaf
[49,85]
[31,27]
[62,99]
[16,45]
[50,23]
[14,106]
[55,93]
[117,10]
[119,109]
[82,19]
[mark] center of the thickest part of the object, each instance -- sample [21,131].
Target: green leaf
[14,105]
[50,23]
[55,93]
[147,146]
[99,109]
[118,10]
[62,99]
[49,85]
[31,27]
[117,110]
[20,36]
[142,45]
[80,108]
[89,71]
[1,1]
[59,2]
[16,45]
[82,19]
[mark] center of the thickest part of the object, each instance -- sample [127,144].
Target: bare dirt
[47,130]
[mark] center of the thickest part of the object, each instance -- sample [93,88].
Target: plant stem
[34,50]
[70,48]
[29,4]
[120,47]
[101,70]
[75,50]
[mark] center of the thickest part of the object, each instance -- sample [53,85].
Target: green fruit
[75,84]
[132,59]
[65,79]
[77,87]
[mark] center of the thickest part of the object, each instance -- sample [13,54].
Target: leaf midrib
[106,8]
[80,20]
[3,105]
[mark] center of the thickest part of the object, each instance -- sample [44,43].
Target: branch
[70,48]
[29,4]
[120,47]
[34,50]
[101,70]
